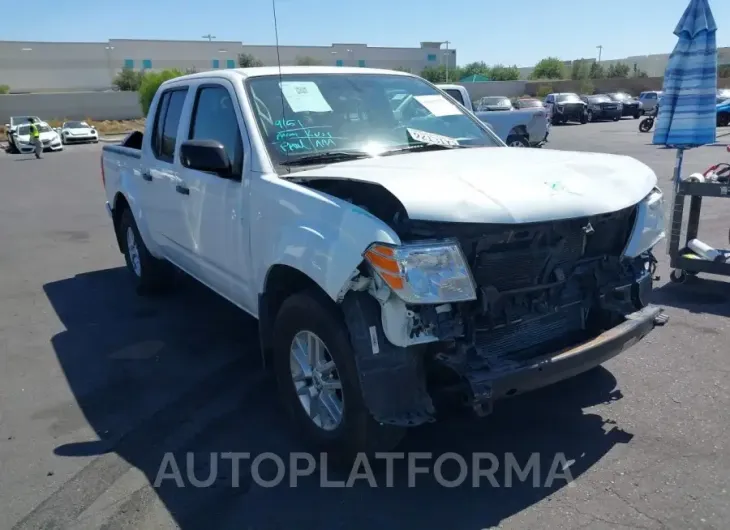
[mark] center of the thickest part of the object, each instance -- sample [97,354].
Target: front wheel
[584,118]
[318,381]
[616,118]
[517,140]
[723,119]
[590,115]
[637,114]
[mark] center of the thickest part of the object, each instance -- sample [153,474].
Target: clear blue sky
[510,32]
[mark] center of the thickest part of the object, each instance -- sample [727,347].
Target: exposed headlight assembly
[649,226]
[424,273]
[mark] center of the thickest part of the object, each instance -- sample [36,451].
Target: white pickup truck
[528,127]
[391,259]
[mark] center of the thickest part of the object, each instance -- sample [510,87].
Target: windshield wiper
[422,147]
[329,156]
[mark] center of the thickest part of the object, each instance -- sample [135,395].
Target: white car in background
[78,131]
[50,138]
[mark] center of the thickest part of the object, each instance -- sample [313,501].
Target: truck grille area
[541,286]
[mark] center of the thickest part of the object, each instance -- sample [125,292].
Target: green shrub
[544,90]
[151,81]
[4,89]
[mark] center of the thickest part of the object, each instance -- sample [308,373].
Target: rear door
[160,173]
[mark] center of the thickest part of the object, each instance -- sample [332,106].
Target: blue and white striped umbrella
[687,113]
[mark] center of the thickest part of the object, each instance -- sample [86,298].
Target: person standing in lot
[36,138]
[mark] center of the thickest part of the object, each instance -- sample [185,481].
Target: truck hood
[499,184]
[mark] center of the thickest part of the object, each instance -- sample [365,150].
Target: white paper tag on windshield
[304,96]
[431,138]
[438,105]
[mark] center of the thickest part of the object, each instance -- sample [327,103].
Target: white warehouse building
[65,66]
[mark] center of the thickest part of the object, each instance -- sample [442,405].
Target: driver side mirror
[206,155]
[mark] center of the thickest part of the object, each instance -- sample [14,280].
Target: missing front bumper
[488,386]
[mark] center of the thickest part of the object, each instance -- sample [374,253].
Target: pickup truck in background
[527,127]
[395,257]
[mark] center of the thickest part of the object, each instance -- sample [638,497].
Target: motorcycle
[647,123]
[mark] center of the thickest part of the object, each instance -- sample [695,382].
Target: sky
[493,31]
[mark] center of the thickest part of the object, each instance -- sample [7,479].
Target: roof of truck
[285,70]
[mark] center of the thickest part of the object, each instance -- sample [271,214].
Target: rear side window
[455,94]
[169,111]
[214,118]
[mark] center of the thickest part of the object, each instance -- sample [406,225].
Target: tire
[149,274]
[356,431]
[584,118]
[723,119]
[637,114]
[590,116]
[646,124]
[517,140]
[616,118]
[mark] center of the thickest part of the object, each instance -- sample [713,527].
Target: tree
[307,61]
[438,74]
[246,60]
[128,80]
[476,68]
[151,81]
[401,69]
[4,89]
[596,71]
[191,70]
[549,68]
[579,70]
[618,70]
[504,73]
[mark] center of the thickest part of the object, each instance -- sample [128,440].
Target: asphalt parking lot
[97,385]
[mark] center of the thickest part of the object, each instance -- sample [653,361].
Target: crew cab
[566,106]
[394,260]
[518,128]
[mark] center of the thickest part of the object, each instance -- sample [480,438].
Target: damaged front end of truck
[481,312]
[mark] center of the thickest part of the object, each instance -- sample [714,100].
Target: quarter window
[214,118]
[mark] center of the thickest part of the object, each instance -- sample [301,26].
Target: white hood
[501,184]
[86,131]
[49,135]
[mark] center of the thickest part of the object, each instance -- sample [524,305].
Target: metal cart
[682,266]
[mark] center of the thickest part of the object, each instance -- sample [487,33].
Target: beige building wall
[48,66]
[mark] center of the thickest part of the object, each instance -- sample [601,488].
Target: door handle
[182,189]
[147,176]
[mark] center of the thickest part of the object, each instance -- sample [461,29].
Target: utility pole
[447,58]
[600,49]
[209,37]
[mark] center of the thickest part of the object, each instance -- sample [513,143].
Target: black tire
[637,114]
[646,124]
[616,118]
[357,431]
[590,115]
[723,119]
[517,140]
[584,118]
[155,275]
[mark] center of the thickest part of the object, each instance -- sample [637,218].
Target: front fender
[319,235]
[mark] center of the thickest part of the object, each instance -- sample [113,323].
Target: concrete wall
[76,106]
[58,67]
[518,88]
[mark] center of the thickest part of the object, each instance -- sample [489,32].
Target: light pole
[446,54]
[107,50]
[209,37]
[600,49]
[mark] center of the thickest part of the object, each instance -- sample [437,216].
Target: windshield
[599,99]
[23,130]
[16,120]
[495,102]
[306,115]
[620,96]
[75,125]
[567,98]
[526,103]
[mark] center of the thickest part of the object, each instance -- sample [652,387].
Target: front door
[215,209]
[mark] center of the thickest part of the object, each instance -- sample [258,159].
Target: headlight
[424,273]
[649,226]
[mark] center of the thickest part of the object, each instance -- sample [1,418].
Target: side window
[169,111]
[455,94]
[549,99]
[214,118]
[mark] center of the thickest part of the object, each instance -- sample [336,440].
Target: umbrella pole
[676,177]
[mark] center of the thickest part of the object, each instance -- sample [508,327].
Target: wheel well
[519,130]
[118,208]
[282,281]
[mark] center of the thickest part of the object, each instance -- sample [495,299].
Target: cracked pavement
[97,385]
